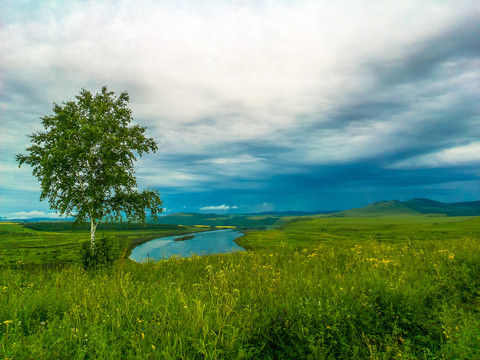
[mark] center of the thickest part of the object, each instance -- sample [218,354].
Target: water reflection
[203,243]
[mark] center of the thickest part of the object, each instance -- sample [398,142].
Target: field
[54,243]
[313,230]
[316,288]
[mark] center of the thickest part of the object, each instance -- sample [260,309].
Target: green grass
[56,243]
[345,297]
[324,229]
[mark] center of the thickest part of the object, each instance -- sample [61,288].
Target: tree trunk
[93,228]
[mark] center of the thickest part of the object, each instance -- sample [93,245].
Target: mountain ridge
[417,206]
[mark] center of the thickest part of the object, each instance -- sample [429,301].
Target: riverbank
[183,238]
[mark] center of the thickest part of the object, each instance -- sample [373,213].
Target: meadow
[312,230]
[316,288]
[57,243]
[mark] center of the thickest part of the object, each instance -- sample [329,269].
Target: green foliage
[84,159]
[103,255]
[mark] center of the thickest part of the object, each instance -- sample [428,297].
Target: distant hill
[31,220]
[62,226]
[240,220]
[426,206]
[414,207]
[278,218]
[251,220]
[380,208]
[294,213]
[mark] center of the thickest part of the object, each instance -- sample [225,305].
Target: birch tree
[84,160]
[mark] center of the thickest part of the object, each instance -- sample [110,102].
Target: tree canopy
[84,160]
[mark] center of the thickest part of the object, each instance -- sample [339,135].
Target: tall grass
[417,300]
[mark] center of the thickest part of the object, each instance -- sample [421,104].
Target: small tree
[84,160]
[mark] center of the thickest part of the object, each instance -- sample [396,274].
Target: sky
[257,105]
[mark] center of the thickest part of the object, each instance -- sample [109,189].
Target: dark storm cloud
[421,60]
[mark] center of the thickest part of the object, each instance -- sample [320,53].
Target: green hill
[380,208]
[426,206]
[414,207]
[247,221]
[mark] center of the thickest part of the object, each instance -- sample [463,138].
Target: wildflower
[7,322]
[153,347]
[143,336]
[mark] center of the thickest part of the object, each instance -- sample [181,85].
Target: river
[203,243]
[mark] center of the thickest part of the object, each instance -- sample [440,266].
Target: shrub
[102,256]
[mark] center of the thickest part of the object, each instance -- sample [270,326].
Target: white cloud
[237,92]
[227,161]
[455,156]
[14,178]
[253,67]
[31,215]
[219,208]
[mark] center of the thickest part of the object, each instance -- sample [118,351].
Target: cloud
[219,208]
[457,156]
[14,178]
[247,95]
[32,214]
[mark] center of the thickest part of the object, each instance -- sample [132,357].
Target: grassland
[54,243]
[318,288]
[310,231]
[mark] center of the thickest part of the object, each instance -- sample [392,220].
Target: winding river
[202,243]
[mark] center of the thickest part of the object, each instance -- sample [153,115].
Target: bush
[102,256]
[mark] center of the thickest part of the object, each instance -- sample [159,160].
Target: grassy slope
[59,245]
[331,291]
[454,209]
[325,229]
[381,208]
[414,207]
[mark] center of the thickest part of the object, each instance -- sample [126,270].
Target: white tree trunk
[93,228]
